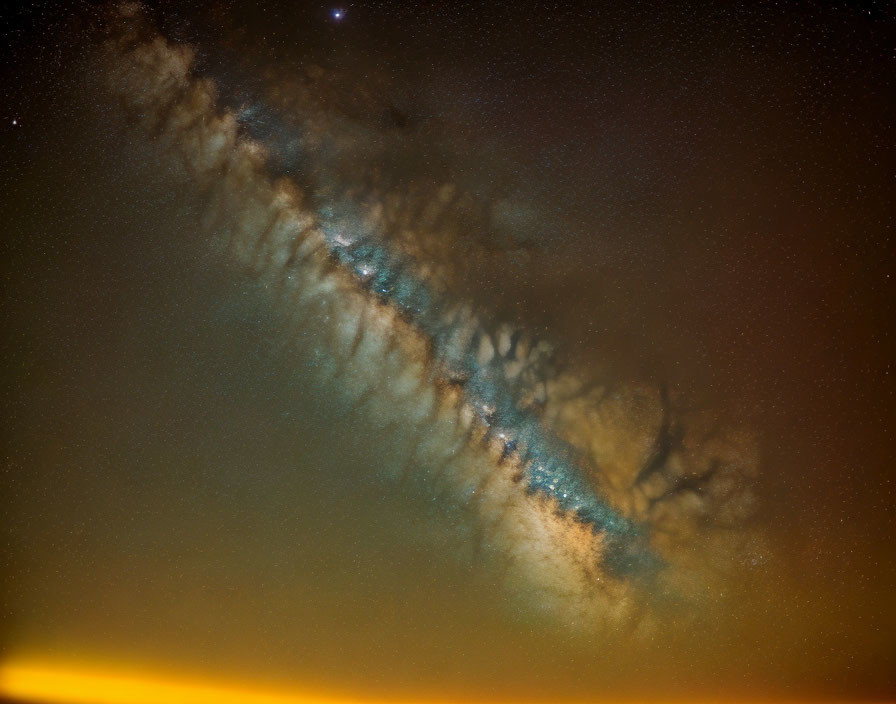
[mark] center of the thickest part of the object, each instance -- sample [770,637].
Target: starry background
[714,185]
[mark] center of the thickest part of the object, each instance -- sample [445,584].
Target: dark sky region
[693,196]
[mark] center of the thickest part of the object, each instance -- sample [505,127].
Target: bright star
[338,14]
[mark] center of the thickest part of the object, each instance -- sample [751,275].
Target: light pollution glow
[28,681]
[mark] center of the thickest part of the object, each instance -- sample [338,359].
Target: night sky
[486,350]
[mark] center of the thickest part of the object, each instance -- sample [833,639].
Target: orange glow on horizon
[52,684]
[33,682]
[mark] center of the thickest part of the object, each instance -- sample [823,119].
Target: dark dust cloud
[490,350]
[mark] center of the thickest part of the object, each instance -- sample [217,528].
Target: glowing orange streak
[27,682]
[69,685]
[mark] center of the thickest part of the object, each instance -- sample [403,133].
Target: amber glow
[68,684]
[57,684]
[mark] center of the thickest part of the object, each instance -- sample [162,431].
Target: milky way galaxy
[583,492]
